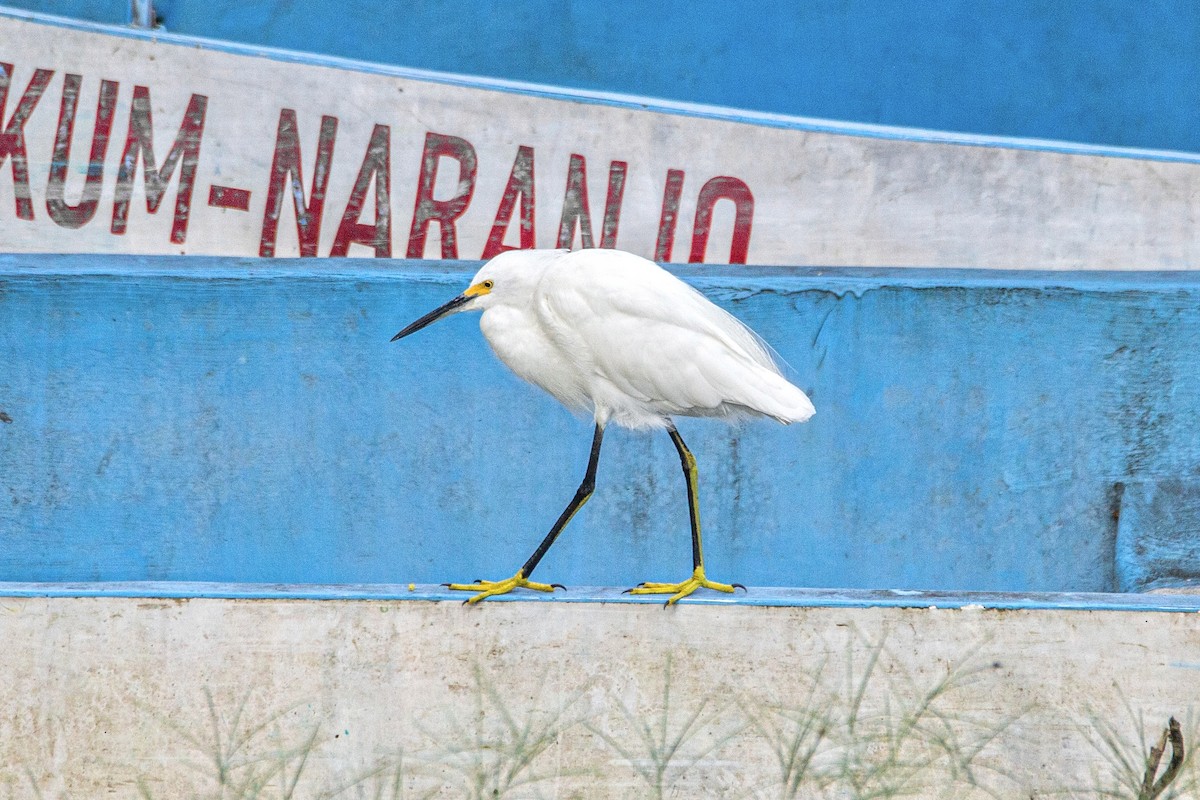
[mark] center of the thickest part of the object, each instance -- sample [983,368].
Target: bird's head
[509,277]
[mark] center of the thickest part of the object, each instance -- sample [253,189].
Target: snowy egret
[613,334]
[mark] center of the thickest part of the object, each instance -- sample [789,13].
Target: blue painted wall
[240,420]
[1116,72]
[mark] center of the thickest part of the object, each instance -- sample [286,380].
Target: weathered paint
[233,151]
[249,420]
[165,698]
[1158,538]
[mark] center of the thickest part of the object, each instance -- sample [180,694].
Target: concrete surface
[154,698]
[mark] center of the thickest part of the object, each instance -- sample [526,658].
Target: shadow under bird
[613,334]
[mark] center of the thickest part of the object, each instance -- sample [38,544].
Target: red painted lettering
[520,182]
[377,164]
[228,197]
[62,212]
[575,205]
[286,171]
[140,142]
[612,203]
[723,188]
[444,212]
[670,214]
[12,138]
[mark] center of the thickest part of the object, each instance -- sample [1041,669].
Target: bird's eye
[488,284]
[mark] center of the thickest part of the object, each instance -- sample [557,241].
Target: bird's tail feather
[766,392]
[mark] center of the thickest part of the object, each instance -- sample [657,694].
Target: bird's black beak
[433,316]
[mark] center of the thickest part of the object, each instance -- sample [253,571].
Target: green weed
[497,752]
[664,748]
[243,760]
[877,733]
[1126,754]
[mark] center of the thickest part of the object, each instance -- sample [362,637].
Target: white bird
[612,334]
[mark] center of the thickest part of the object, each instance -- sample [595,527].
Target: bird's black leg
[698,579]
[581,496]
[485,589]
[688,462]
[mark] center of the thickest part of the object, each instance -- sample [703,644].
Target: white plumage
[616,335]
[612,334]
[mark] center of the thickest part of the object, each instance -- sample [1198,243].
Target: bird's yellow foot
[486,589]
[681,590]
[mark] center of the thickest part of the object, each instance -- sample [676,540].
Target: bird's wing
[612,281]
[652,336]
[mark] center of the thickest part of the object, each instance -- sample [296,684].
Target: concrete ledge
[1164,600]
[158,698]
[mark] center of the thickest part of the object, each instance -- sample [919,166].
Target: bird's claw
[485,589]
[678,591]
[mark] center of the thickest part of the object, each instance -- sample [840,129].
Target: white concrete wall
[816,193]
[154,698]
